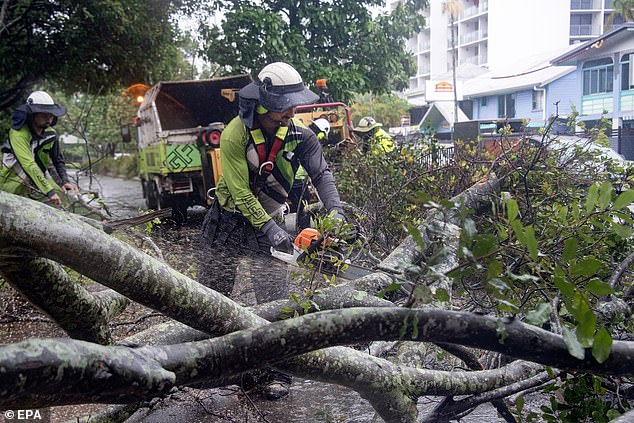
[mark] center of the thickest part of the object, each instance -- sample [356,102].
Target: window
[538,100]
[581,24]
[483,102]
[506,106]
[598,76]
[627,73]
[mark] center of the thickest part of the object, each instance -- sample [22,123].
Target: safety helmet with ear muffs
[323,125]
[277,88]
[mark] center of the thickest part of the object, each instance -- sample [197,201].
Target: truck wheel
[152,198]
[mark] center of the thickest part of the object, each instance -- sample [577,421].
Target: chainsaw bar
[297,258]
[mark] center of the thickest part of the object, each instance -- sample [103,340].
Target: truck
[179,124]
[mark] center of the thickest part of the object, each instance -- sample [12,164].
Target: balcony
[475,10]
[473,60]
[473,36]
[584,4]
[580,30]
[424,45]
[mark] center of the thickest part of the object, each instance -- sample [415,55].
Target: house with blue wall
[604,79]
[531,88]
[595,78]
[525,89]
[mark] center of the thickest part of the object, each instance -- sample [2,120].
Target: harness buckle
[269,166]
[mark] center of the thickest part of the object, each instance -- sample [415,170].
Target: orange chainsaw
[310,246]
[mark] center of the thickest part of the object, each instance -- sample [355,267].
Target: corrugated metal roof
[495,84]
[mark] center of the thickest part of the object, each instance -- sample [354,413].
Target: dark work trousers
[298,197]
[229,240]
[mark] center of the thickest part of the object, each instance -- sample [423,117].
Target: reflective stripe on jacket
[25,160]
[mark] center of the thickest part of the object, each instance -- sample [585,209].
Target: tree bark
[45,284]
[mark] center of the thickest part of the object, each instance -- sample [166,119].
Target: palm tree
[623,8]
[454,8]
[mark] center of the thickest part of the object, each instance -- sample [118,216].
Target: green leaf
[622,231]
[442,295]
[519,231]
[566,288]
[539,315]
[579,306]
[602,345]
[512,209]
[612,414]
[484,244]
[494,269]
[570,249]
[597,287]
[391,288]
[519,404]
[507,306]
[591,198]
[605,195]
[624,199]
[469,228]
[531,242]
[502,233]
[415,233]
[562,212]
[574,347]
[586,267]
[585,329]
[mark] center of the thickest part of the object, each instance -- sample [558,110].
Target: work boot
[269,383]
[277,387]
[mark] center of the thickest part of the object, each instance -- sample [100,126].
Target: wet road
[124,198]
[308,401]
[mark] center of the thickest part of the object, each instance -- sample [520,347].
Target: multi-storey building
[493,33]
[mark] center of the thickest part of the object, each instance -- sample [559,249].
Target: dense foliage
[388,109]
[550,253]
[337,40]
[83,45]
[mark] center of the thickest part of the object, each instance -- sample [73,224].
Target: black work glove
[278,237]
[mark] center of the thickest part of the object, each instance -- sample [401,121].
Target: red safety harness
[267,159]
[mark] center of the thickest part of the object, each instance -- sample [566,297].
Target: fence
[622,140]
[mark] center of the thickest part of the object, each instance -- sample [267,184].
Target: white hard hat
[279,87]
[367,124]
[323,125]
[42,102]
[280,73]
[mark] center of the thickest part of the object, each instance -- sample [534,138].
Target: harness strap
[267,161]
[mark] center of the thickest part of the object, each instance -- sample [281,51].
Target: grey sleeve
[312,159]
[58,161]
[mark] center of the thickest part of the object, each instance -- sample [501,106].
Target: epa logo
[23,415]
